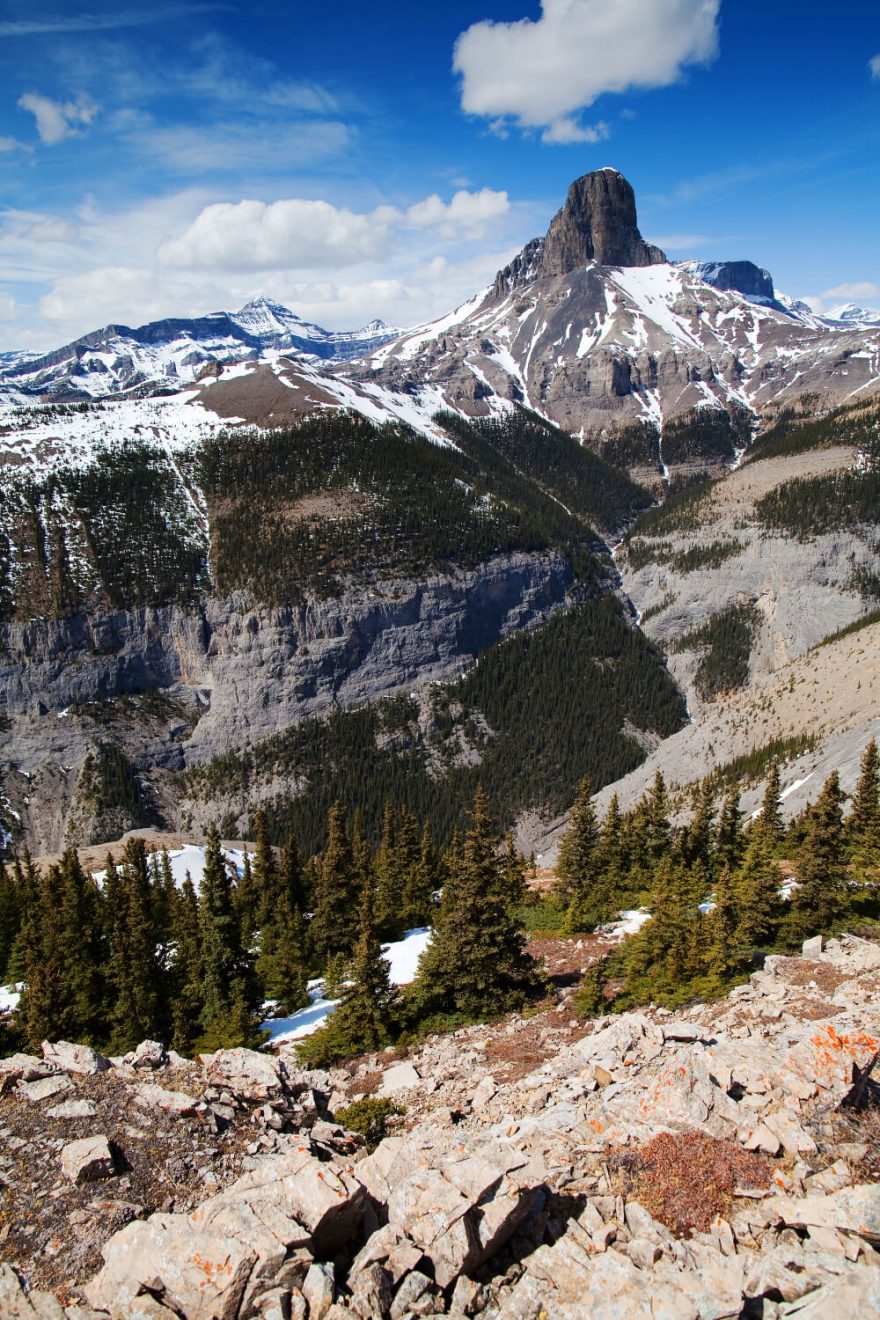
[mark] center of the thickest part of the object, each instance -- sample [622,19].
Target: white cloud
[57,120]
[224,146]
[11,144]
[874,66]
[51,229]
[110,293]
[566,131]
[299,234]
[682,242]
[866,293]
[468,214]
[540,72]
[7,306]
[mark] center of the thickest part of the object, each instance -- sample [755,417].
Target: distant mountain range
[163,356]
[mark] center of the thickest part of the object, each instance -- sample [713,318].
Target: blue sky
[357,161]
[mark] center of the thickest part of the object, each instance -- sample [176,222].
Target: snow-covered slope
[165,355]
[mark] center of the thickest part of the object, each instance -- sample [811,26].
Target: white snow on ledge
[403,956]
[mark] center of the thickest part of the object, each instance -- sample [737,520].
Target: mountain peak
[597,223]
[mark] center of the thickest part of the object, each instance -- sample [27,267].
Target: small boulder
[87,1160]
[65,1056]
[400,1077]
[152,1096]
[247,1075]
[813,948]
[149,1054]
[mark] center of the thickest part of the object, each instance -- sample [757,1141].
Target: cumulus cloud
[297,234]
[51,229]
[864,292]
[566,131]
[874,66]
[111,293]
[541,72]
[57,120]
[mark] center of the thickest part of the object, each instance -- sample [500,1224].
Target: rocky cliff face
[596,224]
[230,673]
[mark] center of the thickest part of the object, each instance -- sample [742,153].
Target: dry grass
[687,1180]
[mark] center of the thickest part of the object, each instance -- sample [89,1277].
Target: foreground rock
[592,1185]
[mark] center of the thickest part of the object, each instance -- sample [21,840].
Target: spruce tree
[334,925]
[388,881]
[366,1016]
[659,830]
[10,918]
[134,973]
[822,896]
[421,883]
[729,840]
[230,994]
[576,863]
[863,822]
[758,902]
[697,843]
[281,960]
[187,1000]
[514,890]
[769,821]
[724,957]
[476,963]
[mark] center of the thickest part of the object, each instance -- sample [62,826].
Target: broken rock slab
[152,1096]
[65,1056]
[72,1109]
[45,1088]
[194,1273]
[401,1077]
[247,1074]
[88,1160]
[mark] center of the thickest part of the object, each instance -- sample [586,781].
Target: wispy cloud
[57,120]
[32,27]
[874,66]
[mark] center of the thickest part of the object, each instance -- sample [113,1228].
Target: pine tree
[476,963]
[822,895]
[334,925]
[769,822]
[863,822]
[758,901]
[365,1017]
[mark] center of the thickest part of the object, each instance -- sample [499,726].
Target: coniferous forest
[129,955]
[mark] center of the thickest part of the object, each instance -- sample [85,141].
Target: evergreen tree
[724,959]
[759,905]
[729,841]
[476,963]
[134,973]
[10,918]
[822,895]
[863,822]
[230,994]
[62,954]
[576,863]
[187,998]
[281,960]
[365,1017]
[421,883]
[659,830]
[514,890]
[334,925]
[697,842]
[769,822]
[388,881]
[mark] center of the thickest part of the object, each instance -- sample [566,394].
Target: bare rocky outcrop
[529,1196]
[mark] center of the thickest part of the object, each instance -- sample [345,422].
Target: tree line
[131,955]
[715,887]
